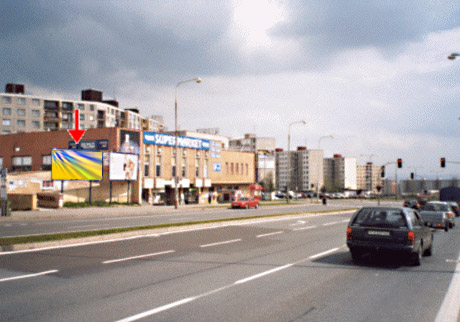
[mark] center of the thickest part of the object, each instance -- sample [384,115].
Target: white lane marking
[324,253]
[270,234]
[27,276]
[250,278]
[304,228]
[309,215]
[239,282]
[299,222]
[137,257]
[7,225]
[450,307]
[157,310]
[221,243]
[346,220]
[331,223]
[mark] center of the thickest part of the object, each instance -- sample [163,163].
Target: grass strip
[7,241]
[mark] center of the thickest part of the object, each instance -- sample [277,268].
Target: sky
[372,74]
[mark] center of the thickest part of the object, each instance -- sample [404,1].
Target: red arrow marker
[77,133]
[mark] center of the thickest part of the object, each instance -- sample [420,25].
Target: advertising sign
[130,141]
[123,166]
[170,140]
[90,145]
[216,167]
[76,165]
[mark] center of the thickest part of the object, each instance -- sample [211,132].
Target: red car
[245,203]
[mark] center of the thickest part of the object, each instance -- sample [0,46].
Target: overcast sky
[373,74]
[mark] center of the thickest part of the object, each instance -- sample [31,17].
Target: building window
[6,122]
[81,107]
[91,107]
[82,117]
[6,132]
[1,162]
[231,168]
[237,170]
[173,171]
[6,111]
[21,112]
[35,102]
[21,123]
[226,167]
[205,171]
[6,99]
[183,171]
[36,124]
[247,168]
[46,162]
[22,163]
[146,168]
[158,170]
[91,118]
[21,100]
[35,112]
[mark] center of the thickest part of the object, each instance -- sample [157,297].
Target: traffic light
[412,176]
[399,163]
[443,162]
[382,174]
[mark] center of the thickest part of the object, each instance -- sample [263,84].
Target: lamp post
[317,177]
[288,183]
[452,56]
[176,176]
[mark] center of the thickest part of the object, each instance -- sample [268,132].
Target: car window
[414,219]
[392,218]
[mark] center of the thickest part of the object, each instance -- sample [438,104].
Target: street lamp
[452,56]
[176,176]
[289,158]
[317,177]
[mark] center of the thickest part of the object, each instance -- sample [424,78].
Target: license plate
[378,233]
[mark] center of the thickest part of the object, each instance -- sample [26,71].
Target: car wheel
[429,250]
[446,228]
[257,206]
[417,257]
[356,255]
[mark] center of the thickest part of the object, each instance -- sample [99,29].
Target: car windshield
[391,218]
[436,207]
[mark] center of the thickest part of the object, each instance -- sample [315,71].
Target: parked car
[411,204]
[454,207]
[392,229]
[245,203]
[438,214]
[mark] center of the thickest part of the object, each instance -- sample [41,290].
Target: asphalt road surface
[70,220]
[276,270]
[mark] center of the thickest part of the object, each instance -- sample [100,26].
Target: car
[411,204]
[454,207]
[443,207]
[389,229]
[245,203]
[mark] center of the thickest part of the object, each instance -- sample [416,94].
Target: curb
[156,232]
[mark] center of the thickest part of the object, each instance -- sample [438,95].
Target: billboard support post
[110,191]
[127,197]
[62,186]
[90,190]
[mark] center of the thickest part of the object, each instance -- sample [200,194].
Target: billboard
[123,166]
[76,165]
[130,141]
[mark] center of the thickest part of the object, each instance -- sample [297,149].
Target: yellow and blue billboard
[76,165]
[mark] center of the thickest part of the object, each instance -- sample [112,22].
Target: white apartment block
[340,173]
[306,169]
[27,113]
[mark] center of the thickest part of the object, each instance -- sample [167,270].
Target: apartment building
[340,173]
[264,148]
[22,113]
[368,176]
[301,170]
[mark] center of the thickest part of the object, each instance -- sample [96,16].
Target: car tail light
[449,214]
[349,233]
[411,237]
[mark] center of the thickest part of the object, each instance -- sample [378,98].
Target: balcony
[51,105]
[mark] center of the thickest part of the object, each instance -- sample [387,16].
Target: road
[70,220]
[280,269]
